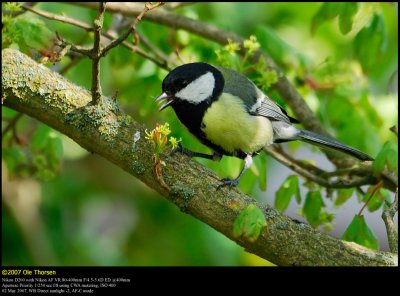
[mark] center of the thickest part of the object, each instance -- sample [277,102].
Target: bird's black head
[192,83]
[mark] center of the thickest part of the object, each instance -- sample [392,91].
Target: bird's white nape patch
[198,90]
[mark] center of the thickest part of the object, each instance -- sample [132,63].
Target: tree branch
[132,28]
[109,35]
[38,92]
[387,215]
[60,18]
[321,177]
[158,52]
[96,54]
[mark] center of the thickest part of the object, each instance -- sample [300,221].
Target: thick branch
[34,90]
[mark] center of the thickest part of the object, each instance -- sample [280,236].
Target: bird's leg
[233,183]
[215,156]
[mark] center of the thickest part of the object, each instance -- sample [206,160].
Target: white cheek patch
[198,90]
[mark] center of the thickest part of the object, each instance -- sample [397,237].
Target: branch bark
[96,54]
[35,90]
[391,229]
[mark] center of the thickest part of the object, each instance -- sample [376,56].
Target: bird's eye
[181,83]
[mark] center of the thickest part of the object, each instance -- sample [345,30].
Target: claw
[191,154]
[228,182]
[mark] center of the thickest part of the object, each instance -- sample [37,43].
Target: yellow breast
[228,125]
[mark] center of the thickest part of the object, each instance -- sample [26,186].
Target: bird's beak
[169,100]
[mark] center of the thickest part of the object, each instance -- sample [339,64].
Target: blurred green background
[64,206]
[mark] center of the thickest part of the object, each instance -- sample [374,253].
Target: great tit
[232,116]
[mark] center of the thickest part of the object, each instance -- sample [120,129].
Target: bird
[229,114]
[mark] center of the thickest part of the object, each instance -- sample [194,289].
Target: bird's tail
[326,142]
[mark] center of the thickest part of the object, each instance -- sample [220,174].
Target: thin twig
[132,28]
[11,124]
[89,28]
[391,230]
[96,54]
[60,18]
[313,173]
[356,170]
[159,53]
[375,188]
[304,165]
[79,49]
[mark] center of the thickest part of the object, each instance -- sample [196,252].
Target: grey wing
[268,108]
[254,99]
[240,86]
[280,121]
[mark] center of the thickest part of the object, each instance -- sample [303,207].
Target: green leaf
[35,32]
[47,149]
[379,163]
[262,178]
[343,194]
[374,202]
[40,137]
[54,151]
[377,200]
[327,11]
[370,43]
[359,232]
[249,223]
[312,207]
[370,111]
[387,156]
[392,156]
[14,158]
[289,188]
[326,217]
[296,189]
[361,137]
[11,6]
[346,15]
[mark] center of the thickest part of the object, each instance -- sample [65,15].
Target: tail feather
[326,142]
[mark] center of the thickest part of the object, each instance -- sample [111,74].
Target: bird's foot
[228,182]
[191,154]
[182,150]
